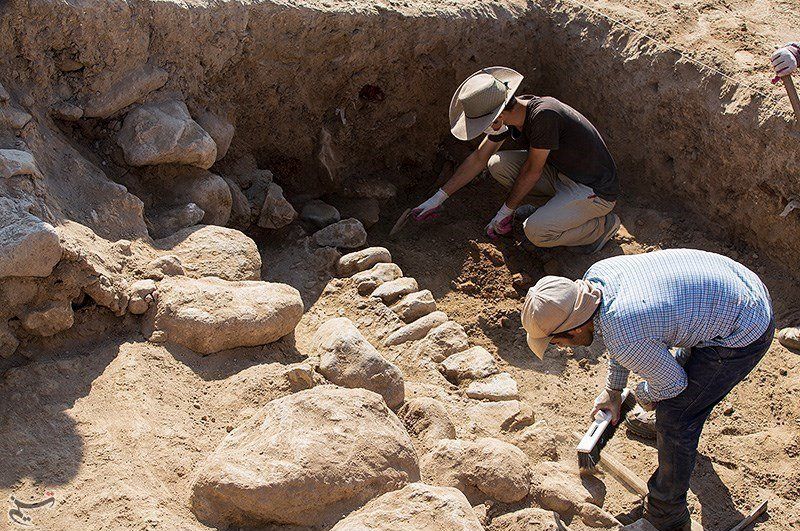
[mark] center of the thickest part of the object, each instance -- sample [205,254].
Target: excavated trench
[348,102]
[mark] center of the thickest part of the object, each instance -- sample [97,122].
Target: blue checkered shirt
[675,298]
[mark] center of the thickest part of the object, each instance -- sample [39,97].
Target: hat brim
[538,344]
[465,128]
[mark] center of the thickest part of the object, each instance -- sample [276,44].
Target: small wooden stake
[789,84]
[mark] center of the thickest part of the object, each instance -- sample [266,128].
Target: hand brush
[600,432]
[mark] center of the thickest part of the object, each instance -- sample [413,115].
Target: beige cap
[554,305]
[480,99]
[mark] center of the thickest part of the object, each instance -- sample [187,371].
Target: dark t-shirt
[576,148]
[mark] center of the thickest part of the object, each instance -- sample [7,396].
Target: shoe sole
[610,234]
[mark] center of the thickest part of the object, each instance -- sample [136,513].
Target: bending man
[643,305]
[566,160]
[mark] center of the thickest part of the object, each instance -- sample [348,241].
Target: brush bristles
[589,460]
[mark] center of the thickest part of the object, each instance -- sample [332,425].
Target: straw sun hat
[480,99]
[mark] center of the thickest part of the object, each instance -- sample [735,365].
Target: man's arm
[475,163]
[529,175]
[651,360]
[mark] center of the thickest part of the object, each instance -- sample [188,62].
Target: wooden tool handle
[752,517]
[789,84]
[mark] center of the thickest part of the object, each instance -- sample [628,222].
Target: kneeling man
[566,159]
[643,305]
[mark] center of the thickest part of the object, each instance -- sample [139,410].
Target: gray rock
[417,329]
[392,290]
[319,213]
[207,190]
[347,234]
[240,207]
[471,364]
[141,296]
[495,388]
[29,247]
[366,210]
[443,341]
[171,220]
[8,341]
[164,133]
[13,118]
[133,86]
[305,459]
[220,129]
[346,358]
[14,162]
[362,260]
[415,305]
[276,212]
[367,281]
[210,314]
[66,111]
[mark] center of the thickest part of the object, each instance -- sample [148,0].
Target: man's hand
[610,401]
[430,208]
[501,222]
[784,61]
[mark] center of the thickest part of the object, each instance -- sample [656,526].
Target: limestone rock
[416,506]
[141,296]
[496,388]
[163,133]
[362,260]
[415,305]
[443,341]
[417,329]
[167,265]
[305,459]
[276,212]
[319,213]
[211,251]
[427,421]
[210,314]
[28,246]
[471,364]
[347,234]
[132,87]
[173,219]
[69,112]
[210,192]
[111,293]
[528,519]
[14,162]
[489,418]
[539,441]
[49,320]
[366,210]
[367,281]
[390,291]
[240,207]
[8,341]
[485,468]
[559,487]
[220,129]
[300,376]
[346,358]
[13,118]
[790,338]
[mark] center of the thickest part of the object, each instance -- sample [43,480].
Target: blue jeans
[712,372]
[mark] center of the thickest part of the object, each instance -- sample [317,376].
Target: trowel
[444,175]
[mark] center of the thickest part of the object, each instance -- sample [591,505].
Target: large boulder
[128,89]
[346,234]
[306,459]
[346,358]
[210,314]
[219,128]
[482,469]
[164,133]
[559,487]
[168,221]
[207,190]
[211,251]
[416,506]
[28,246]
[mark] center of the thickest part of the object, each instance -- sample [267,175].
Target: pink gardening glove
[430,208]
[501,223]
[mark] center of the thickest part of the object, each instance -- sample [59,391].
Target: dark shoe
[642,423]
[612,224]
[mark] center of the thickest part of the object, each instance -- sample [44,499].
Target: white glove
[609,401]
[784,61]
[428,209]
[501,222]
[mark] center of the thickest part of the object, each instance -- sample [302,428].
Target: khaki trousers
[573,215]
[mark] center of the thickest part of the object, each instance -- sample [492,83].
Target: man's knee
[500,170]
[539,233]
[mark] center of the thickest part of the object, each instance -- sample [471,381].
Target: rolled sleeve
[652,361]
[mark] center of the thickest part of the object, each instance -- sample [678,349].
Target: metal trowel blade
[401,222]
